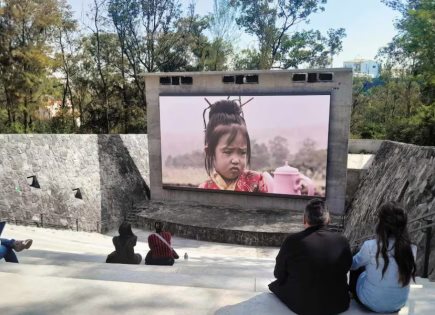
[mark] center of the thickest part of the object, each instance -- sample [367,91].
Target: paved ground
[64,273]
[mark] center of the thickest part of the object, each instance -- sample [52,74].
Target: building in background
[363,67]
[53,108]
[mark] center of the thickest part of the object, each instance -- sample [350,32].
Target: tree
[124,16]
[278,147]
[65,31]
[26,40]
[402,108]
[271,23]
[414,46]
[224,32]
[157,19]
[260,157]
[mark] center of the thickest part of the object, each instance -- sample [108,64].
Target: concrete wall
[400,172]
[270,82]
[100,165]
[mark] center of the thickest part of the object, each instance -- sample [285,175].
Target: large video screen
[258,144]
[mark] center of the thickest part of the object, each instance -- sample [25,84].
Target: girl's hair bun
[225,107]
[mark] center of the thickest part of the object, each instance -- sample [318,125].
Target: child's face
[230,158]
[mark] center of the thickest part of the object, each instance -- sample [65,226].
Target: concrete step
[98,246]
[231,265]
[36,295]
[64,273]
[161,275]
[53,295]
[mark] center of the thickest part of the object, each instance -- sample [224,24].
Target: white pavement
[64,273]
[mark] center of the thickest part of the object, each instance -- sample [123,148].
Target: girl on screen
[228,151]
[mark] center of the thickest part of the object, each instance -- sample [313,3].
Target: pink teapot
[287,180]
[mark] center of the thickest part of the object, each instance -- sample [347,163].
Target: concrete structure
[337,82]
[64,273]
[112,173]
[364,146]
[110,170]
[400,172]
[363,67]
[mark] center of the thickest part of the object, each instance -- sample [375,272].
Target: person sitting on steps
[161,251]
[124,247]
[8,247]
[384,267]
[311,266]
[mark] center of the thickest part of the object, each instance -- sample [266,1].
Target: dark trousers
[7,252]
[161,261]
[353,279]
[114,258]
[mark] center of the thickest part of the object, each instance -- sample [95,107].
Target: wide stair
[64,273]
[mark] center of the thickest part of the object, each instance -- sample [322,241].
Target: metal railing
[74,224]
[428,234]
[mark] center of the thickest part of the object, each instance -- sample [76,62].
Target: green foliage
[271,22]
[419,129]
[402,107]
[95,77]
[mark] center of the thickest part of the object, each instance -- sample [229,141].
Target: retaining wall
[400,172]
[110,170]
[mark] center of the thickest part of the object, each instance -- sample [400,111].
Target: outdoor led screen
[259,144]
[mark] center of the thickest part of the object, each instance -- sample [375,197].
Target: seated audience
[384,266]
[312,265]
[8,247]
[161,251]
[124,247]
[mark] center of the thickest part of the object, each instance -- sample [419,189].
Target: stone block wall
[400,172]
[100,165]
[121,182]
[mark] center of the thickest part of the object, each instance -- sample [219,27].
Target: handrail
[422,217]
[409,222]
[422,227]
[43,223]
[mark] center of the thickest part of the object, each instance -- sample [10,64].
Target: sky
[369,24]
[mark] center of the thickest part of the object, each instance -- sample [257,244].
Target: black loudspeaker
[78,194]
[35,182]
[326,76]
[299,77]
[165,80]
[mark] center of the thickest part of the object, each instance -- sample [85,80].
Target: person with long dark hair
[124,247]
[384,266]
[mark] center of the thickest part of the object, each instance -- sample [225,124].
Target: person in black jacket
[312,265]
[124,247]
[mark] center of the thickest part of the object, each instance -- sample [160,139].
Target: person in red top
[161,251]
[228,151]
